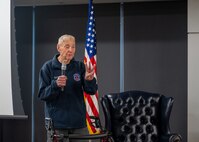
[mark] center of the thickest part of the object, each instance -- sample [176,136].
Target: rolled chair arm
[171,138]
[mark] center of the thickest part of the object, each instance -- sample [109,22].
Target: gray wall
[193,69]
[155,52]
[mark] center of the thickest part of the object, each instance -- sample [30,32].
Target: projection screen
[6,105]
[11,103]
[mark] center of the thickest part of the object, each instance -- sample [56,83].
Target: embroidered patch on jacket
[76,77]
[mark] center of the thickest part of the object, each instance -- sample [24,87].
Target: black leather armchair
[138,116]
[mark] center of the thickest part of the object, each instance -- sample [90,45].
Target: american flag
[92,107]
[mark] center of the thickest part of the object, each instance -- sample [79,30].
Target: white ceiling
[70,2]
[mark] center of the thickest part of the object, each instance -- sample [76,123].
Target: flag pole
[121,47]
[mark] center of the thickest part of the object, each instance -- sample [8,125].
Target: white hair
[65,37]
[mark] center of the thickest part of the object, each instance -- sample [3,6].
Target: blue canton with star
[91,34]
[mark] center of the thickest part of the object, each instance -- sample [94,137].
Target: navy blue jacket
[66,108]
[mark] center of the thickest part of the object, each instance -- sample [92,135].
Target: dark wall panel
[53,21]
[23,25]
[156,54]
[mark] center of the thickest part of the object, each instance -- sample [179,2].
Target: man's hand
[89,75]
[61,81]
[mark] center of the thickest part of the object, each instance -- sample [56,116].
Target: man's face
[67,49]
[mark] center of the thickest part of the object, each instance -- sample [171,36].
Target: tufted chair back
[138,116]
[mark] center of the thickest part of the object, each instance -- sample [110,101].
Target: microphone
[63,69]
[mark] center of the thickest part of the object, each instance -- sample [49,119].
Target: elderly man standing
[62,91]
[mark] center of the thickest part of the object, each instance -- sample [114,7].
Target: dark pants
[62,133]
